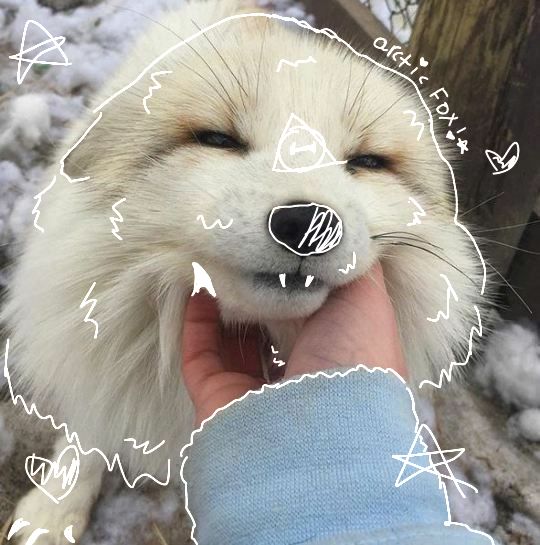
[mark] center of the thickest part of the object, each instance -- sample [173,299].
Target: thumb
[356,324]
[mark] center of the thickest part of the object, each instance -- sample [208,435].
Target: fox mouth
[290,282]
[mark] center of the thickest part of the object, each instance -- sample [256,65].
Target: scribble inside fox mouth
[287,281]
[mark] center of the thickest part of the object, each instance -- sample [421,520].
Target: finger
[356,325]
[241,351]
[200,341]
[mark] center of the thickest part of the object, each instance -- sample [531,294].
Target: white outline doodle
[295,64]
[415,123]
[432,468]
[449,292]
[35,211]
[503,164]
[322,233]
[73,436]
[447,373]
[20,523]
[17,525]
[351,266]
[115,230]
[218,222]
[92,303]
[416,215]
[279,363]
[155,87]
[279,385]
[145,445]
[57,41]
[201,279]
[56,470]
[331,34]
[293,126]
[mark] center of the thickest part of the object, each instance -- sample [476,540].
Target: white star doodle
[56,42]
[453,454]
[462,145]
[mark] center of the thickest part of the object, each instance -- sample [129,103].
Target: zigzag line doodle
[72,437]
[279,363]
[35,210]
[154,87]
[92,303]
[350,267]
[145,445]
[416,215]
[218,222]
[414,123]
[118,217]
[447,373]
[295,64]
[449,292]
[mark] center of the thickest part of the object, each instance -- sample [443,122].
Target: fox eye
[216,139]
[372,162]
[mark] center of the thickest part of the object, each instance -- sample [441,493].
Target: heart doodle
[45,470]
[506,162]
[423,62]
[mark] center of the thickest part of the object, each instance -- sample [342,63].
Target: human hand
[355,325]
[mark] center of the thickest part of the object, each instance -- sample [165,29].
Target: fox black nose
[305,228]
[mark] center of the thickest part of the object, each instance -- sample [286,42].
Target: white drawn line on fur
[331,34]
[92,303]
[155,87]
[350,267]
[279,363]
[416,215]
[282,280]
[432,468]
[277,386]
[73,436]
[68,533]
[447,373]
[17,525]
[201,279]
[56,470]
[145,445]
[415,123]
[309,280]
[115,230]
[57,41]
[505,163]
[21,523]
[70,150]
[218,222]
[35,211]
[295,64]
[449,292]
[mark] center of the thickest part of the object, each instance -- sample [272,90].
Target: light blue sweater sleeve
[311,463]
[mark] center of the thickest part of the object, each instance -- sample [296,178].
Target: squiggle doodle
[350,267]
[154,87]
[432,468]
[57,42]
[118,217]
[322,232]
[145,445]
[20,523]
[416,215]
[92,303]
[447,373]
[56,470]
[506,162]
[295,64]
[72,437]
[218,222]
[415,123]
[35,210]
[449,292]
[279,363]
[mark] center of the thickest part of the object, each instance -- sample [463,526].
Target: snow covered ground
[33,118]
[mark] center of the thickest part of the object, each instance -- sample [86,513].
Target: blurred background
[486,54]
